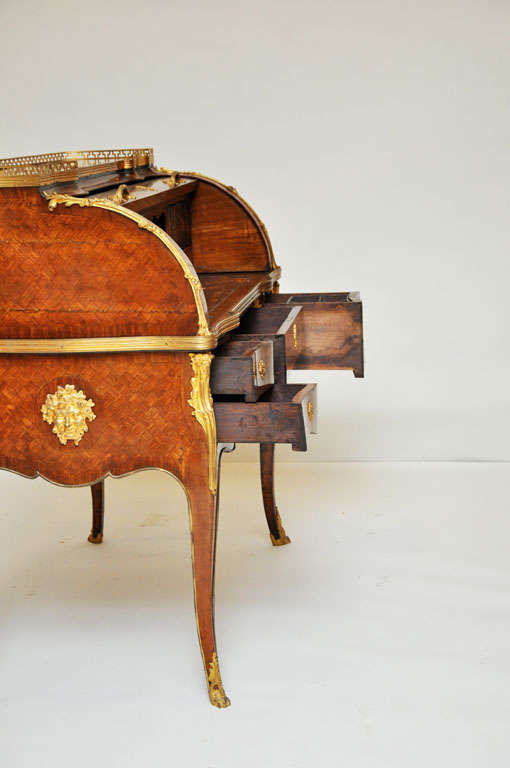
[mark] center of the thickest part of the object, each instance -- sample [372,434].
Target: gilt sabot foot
[95,538]
[282,538]
[217,694]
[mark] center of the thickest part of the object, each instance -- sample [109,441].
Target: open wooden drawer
[286,413]
[328,331]
[273,320]
[243,367]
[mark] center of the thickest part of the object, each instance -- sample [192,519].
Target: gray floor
[379,637]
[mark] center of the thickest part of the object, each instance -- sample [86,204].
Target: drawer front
[279,355]
[278,319]
[287,413]
[328,332]
[243,368]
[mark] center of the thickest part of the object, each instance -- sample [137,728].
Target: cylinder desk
[141,325]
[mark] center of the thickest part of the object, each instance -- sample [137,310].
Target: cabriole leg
[203,508]
[276,529]
[96,534]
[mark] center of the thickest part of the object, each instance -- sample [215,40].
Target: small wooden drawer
[276,319]
[243,367]
[328,330]
[286,413]
[279,356]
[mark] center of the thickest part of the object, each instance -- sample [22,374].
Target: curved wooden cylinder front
[226,233]
[87,271]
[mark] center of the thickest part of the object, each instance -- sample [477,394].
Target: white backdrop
[372,138]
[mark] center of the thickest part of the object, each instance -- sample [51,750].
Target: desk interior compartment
[328,331]
[276,319]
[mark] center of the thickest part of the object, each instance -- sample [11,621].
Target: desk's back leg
[203,508]
[96,533]
[276,529]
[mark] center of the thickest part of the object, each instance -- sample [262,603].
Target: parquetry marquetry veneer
[141,326]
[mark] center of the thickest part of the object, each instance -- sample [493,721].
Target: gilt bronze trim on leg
[203,513]
[202,404]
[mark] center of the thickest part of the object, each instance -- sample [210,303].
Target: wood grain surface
[85,272]
[224,237]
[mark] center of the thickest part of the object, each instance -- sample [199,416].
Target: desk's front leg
[203,508]
[200,478]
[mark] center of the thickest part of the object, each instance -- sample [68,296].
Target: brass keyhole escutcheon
[68,410]
[261,367]
[294,334]
[309,409]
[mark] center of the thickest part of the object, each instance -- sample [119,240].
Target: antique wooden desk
[130,295]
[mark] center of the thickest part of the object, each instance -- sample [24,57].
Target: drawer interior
[329,330]
[272,318]
[312,298]
[276,320]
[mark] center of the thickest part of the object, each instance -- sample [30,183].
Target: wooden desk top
[229,294]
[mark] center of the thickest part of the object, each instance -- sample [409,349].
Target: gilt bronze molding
[202,404]
[108,344]
[282,537]
[216,691]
